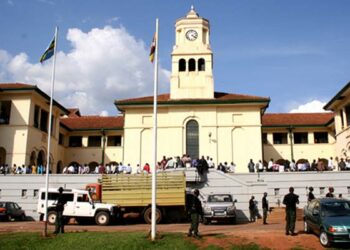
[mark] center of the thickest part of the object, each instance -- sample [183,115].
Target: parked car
[219,207]
[11,210]
[329,218]
[79,206]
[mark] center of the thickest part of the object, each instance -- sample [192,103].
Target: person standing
[251,166]
[252,209]
[310,196]
[194,210]
[330,193]
[290,200]
[265,207]
[60,202]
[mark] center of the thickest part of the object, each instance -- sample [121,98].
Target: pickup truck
[79,206]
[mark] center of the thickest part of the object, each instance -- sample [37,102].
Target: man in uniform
[194,210]
[265,207]
[290,200]
[60,202]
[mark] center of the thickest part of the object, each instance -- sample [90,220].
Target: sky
[295,52]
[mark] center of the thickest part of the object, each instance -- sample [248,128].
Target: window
[24,193]
[264,138]
[347,112]
[192,65]
[61,139]
[201,64]
[35,193]
[182,65]
[44,120]
[280,138]
[94,141]
[36,116]
[54,196]
[277,191]
[114,141]
[321,137]
[52,124]
[300,138]
[192,139]
[347,187]
[75,141]
[5,111]
[321,190]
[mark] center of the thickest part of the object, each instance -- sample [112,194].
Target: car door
[315,216]
[69,206]
[83,205]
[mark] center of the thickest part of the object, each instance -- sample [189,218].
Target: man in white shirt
[270,165]
[330,164]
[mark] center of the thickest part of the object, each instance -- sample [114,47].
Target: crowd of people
[202,165]
[302,165]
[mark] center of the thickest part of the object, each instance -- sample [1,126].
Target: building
[193,119]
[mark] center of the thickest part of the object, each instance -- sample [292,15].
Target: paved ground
[224,235]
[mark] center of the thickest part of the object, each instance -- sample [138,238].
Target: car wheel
[23,217]
[306,227]
[52,217]
[102,218]
[147,215]
[324,240]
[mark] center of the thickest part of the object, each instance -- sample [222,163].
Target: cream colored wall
[87,154]
[233,130]
[308,151]
[13,137]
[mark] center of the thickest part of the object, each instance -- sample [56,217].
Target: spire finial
[192,7]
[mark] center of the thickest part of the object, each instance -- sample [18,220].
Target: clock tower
[192,59]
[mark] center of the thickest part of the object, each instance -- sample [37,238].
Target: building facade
[193,119]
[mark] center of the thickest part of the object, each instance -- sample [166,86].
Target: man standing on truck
[60,202]
[194,209]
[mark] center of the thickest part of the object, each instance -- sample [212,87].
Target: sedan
[11,210]
[329,218]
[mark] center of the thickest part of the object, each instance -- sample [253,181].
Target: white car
[79,205]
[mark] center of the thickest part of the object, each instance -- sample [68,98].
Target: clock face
[191,35]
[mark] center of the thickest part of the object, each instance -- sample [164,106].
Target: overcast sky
[296,52]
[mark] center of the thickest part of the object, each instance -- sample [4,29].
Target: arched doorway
[32,158]
[2,156]
[192,139]
[41,158]
[59,167]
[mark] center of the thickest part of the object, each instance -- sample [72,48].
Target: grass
[104,240]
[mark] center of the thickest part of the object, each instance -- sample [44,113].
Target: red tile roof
[15,86]
[93,122]
[218,98]
[296,119]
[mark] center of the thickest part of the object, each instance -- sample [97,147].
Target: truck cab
[79,205]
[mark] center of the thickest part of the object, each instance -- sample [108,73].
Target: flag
[153,49]
[49,51]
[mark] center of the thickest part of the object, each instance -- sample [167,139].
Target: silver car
[219,207]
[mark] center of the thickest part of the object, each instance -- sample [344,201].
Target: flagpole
[154,172]
[49,133]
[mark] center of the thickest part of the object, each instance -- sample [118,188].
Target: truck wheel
[51,217]
[147,215]
[102,218]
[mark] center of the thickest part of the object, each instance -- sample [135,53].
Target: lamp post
[290,130]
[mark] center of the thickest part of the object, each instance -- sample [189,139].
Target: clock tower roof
[192,13]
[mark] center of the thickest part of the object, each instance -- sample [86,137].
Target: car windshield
[220,198]
[336,208]
[2,204]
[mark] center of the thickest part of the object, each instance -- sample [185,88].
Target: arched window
[182,65]
[201,64]
[192,139]
[192,65]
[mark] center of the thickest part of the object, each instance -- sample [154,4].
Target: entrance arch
[2,156]
[192,139]
[59,167]
[32,158]
[41,158]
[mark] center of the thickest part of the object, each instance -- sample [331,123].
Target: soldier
[60,202]
[265,207]
[252,209]
[194,210]
[290,200]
